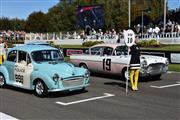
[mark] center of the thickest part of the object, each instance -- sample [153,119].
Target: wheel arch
[40,76]
[5,73]
[83,63]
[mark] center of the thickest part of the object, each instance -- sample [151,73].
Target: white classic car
[113,59]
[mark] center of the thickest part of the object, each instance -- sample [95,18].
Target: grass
[174,67]
[164,48]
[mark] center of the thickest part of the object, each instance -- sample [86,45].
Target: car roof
[37,43]
[30,48]
[109,45]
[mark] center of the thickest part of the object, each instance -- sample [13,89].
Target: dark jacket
[135,57]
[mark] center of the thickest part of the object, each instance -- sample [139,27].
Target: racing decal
[19,78]
[21,70]
[107,64]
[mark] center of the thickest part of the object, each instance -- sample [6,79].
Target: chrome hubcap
[1,80]
[126,74]
[39,88]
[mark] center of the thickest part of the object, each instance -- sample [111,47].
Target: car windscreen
[47,55]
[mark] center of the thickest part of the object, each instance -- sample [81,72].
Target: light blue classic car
[42,69]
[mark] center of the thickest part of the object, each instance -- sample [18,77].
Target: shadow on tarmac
[119,78]
[50,94]
[65,93]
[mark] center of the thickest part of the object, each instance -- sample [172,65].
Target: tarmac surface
[104,99]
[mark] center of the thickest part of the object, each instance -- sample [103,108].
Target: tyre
[124,74]
[2,80]
[83,66]
[40,89]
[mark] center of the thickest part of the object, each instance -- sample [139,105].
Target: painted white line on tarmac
[4,116]
[85,100]
[166,86]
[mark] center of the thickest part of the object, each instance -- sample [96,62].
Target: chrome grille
[74,82]
[156,68]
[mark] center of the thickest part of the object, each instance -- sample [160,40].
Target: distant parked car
[113,59]
[42,69]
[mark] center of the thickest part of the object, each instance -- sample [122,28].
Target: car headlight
[143,63]
[167,62]
[87,74]
[56,77]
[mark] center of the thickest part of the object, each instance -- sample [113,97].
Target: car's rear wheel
[2,80]
[40,89]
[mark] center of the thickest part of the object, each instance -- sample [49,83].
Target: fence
[78,39]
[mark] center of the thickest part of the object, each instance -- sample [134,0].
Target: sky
[23,8]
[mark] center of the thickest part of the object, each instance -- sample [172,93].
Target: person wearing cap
[3,47]
[134,65]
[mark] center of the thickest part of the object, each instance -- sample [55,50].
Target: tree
[62,17]
[5,23]
[37,22]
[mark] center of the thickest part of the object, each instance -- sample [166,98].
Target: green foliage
[62,16]
[174,67]
[37,22]
[147,43]
[154,43]
[91,43]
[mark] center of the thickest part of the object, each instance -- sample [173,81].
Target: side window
[120,50]
[22,56]
[96,51]
[107,51]
[12,56]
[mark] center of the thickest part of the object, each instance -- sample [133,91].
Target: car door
[94,60]
[120,59]
[23,69]
[10,64]
[106,60]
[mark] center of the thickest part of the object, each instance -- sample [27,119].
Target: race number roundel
[129,37]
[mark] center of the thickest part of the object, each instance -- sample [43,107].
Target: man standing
[134,65]
[3,47]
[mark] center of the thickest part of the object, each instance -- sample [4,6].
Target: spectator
[3,47]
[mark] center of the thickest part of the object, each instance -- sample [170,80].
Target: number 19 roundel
[129,37]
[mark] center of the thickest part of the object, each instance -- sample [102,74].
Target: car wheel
[40,89]
[83,66]
[2,80]
[125,74]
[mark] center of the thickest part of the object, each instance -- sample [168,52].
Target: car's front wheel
[40,89]
[125,73]
[2,80]
[83,66]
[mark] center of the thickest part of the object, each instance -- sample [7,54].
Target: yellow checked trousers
[134,76]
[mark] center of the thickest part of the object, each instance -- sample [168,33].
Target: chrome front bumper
[69,89]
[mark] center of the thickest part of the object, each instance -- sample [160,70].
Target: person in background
[3,48]
[134,65]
